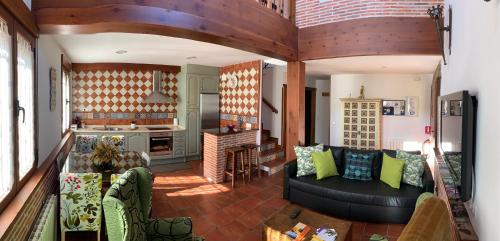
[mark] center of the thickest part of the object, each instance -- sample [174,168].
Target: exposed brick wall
[214,154]
[312,12]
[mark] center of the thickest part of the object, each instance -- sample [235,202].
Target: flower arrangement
[103,156]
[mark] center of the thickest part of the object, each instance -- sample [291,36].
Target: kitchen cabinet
[209,84]
[193,132]
[138,142]
[193,89]
[179,144]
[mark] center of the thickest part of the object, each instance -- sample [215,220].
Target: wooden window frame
[66,66]
[16,27]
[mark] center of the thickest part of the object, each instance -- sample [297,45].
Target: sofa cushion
[392,171]
[305,165]
[325,164]
[413,168]
[358,166]
[352,191]
[376,162]
[338,156]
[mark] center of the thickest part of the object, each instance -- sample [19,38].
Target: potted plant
[103,156]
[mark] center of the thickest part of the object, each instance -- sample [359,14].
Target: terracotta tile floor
[221,213]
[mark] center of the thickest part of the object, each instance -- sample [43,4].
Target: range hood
[157,96]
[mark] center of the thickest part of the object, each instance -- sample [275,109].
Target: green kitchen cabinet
[193,132]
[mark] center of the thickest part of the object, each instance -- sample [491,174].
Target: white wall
[322,115]
[49,123]
[395,129]
[474,65]
[28,3]
[272,84]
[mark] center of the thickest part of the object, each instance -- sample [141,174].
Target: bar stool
[231,158]
[249,149]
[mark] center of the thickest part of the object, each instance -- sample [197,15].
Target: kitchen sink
[107,128]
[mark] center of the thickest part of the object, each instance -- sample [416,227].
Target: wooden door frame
[283,116]
[435,93]
[313,114]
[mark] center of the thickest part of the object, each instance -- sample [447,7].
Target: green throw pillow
[392,171]
[325,164]
[305,165]
[413,169]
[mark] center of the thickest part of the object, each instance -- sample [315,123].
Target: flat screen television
[457,135]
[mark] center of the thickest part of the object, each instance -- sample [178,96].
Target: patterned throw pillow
[413,169]
[305,164]
[358,166]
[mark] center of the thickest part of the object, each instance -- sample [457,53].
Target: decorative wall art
[53,89]
[412,105]
[394,107]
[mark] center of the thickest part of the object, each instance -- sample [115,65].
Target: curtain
[6,136]
[25,92]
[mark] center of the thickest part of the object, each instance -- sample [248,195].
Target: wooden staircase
[271,155]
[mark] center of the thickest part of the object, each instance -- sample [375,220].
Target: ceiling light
[191,57]
[275,62]
[121,51]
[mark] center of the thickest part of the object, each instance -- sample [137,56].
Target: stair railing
[270,105]
[285,8]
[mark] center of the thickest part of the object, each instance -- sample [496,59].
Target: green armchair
[127,205]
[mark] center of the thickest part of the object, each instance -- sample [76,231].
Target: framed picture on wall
[394,107]
[412,105]
[53,89]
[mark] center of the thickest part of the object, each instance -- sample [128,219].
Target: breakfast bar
[216,141]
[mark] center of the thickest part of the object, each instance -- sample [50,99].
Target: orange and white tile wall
[115,93]
[240,102]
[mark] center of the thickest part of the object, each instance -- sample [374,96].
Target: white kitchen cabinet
[138,142]
[193,132]
[209,84]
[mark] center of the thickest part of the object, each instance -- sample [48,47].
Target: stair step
[269,144]
[269,155]
[273,166]
[265,135]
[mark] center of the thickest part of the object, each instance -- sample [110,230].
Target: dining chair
[85,143]
[80,202]
[117,140]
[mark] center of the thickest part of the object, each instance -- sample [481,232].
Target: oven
[161,144]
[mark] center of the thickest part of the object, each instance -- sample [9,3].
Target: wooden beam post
[295,107]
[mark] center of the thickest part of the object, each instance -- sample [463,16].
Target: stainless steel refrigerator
[209,111]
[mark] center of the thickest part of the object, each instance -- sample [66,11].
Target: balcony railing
[285,8]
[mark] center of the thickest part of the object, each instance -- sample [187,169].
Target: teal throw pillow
[358,166]
[392,171]
[413,169]
[305,165]
[324,164]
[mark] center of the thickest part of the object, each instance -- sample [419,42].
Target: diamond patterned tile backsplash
[103,92]
[240,93]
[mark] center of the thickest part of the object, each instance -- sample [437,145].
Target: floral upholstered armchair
[80,202]
[85,143]
[127,205]
[118,141]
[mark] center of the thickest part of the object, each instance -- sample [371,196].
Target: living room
[381,121]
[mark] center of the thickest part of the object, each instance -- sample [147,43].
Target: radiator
[45,226]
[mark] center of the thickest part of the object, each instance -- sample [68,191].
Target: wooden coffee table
[276,227]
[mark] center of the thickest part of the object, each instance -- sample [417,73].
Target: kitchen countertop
[126,128]
[224,131]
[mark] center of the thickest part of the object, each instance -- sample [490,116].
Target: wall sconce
[436,14]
